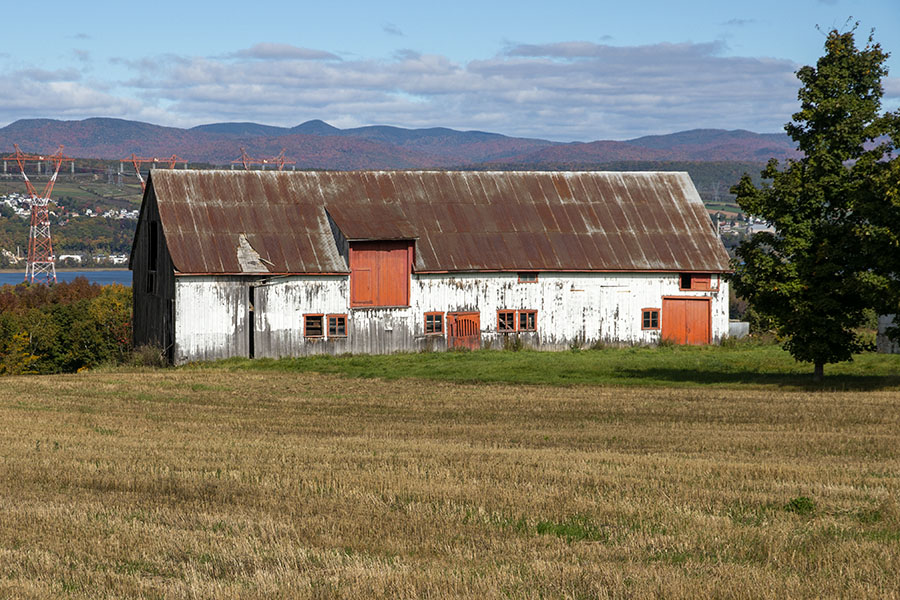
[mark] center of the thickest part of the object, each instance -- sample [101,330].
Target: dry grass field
[209,483]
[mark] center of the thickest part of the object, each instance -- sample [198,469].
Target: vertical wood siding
[211,315]
[152,321]
[572,310]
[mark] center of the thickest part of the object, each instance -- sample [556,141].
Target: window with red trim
[313,325]
[337,326]
[434,323]
[527,320]
[506,320]
[649,318]
[695,281]
[528,277]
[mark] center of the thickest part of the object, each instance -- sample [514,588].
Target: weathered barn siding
[153,318]
[573,309]
[279,309]
[211,313]
[882,342]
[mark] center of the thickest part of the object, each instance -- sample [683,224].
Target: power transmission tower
[137,161]
[40,261]
[246,161]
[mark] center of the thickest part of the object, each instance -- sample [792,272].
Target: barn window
[506,320]
[527,320]
[152,256]
[434,323]
[527,277]
[695,281]
[312,326]
[650,318]
[379,273]
[153,246]
[337,326]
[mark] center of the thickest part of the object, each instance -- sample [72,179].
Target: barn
[272,264]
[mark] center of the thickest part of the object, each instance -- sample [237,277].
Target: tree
[818,273]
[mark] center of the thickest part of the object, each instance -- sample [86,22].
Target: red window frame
[343,319]
[528,276]
[438,320]
[306,325]
[698,282]
[649,312]
[527,314]
[510,317]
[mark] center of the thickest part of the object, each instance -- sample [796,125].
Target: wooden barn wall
[882,342]
[281,305]
[153,319]
[572,309]
[212,314]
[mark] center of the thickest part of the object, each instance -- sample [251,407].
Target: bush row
[64,327]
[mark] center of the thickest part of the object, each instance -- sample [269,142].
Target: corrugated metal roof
[461,220]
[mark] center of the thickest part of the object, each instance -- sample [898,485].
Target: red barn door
[686,320]
[464,330]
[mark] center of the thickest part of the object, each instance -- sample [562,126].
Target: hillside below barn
[273,264]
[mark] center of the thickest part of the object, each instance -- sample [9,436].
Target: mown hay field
[218,483]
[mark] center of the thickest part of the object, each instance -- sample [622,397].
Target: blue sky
[560,70]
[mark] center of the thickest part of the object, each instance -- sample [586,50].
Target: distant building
[254,263]
[882,342]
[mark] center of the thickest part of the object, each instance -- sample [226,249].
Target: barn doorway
[251,323]
[686,321]
[464,330]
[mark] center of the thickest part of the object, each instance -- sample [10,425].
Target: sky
[561,70]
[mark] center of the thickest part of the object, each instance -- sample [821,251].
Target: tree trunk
[819,373]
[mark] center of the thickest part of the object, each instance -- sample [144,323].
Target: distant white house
[882,342]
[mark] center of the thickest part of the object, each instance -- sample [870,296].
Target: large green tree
[831,209]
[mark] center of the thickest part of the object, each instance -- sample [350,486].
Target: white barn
[271,264]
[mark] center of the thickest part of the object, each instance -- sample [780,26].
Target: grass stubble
[211,484]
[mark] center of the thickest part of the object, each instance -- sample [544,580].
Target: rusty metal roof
[461,221]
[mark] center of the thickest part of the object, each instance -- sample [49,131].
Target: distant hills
[318,145]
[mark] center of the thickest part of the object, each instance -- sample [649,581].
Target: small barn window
[337,326]
[434,323]
[650,318]
[153,246]
[506,320]
[527,320]
[528,277]
[695,281]
[152,256]
[312,326]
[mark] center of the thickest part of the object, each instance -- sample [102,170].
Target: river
[103,277]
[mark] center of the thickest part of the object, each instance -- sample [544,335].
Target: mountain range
[318,145]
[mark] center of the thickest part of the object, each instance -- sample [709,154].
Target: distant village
[20,205]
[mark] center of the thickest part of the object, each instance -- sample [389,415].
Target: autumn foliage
[64,327]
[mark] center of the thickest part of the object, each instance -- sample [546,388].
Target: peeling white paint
[573,309]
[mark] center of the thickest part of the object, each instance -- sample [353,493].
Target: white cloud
[270,51]
[562,91]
